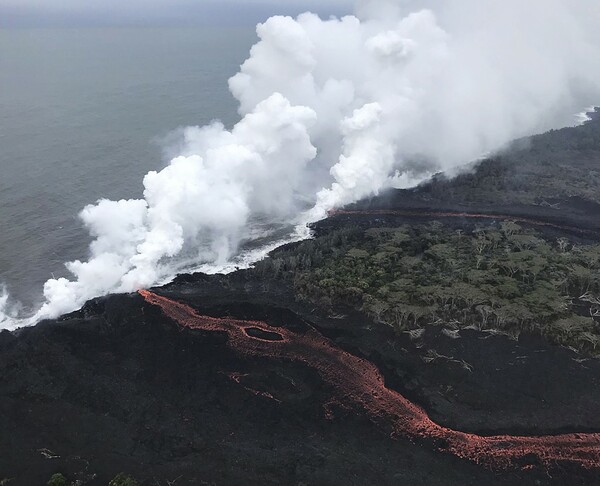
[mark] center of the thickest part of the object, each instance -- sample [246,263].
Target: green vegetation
[119,480]
[501,277]
[123,480]
[58,480]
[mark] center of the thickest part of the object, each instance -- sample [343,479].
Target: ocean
[84,115]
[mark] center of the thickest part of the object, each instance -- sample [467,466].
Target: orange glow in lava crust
[358,382]
[450,214]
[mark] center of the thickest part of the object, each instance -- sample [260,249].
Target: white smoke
[583,117]
[339,109]
[201,202]
[8,313]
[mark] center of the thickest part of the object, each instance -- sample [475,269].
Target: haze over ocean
[82,115]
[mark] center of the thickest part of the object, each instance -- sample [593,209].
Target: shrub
[57,480]
[122,480]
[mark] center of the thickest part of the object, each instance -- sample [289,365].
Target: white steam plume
[339,109]
[203,199]
[8,311]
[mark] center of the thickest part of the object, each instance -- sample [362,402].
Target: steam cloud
[336,110]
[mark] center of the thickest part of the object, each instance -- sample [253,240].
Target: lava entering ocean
[358,382]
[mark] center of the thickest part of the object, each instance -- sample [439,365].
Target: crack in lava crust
[359,382]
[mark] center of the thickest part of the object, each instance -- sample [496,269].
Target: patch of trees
[500,277]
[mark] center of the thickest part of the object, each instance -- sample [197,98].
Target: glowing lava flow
[360,383]
[450,214]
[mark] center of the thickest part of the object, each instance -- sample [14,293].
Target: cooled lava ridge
[456,214]
[358,382]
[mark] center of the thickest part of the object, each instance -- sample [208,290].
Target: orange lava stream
[451,214]
[359,382]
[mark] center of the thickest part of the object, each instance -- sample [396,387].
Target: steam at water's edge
[336,110]
[7,317]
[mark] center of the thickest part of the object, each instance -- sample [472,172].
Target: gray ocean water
[83,115]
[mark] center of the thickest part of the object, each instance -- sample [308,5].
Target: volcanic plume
[334,110]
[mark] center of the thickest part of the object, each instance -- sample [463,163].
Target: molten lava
[359,382]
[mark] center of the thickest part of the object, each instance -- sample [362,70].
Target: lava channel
[451,214]
[358,382]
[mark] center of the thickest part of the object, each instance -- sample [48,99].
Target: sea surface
[84,114]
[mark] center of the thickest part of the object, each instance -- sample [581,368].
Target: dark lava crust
[119,387]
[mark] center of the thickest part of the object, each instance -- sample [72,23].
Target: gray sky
[31,13]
